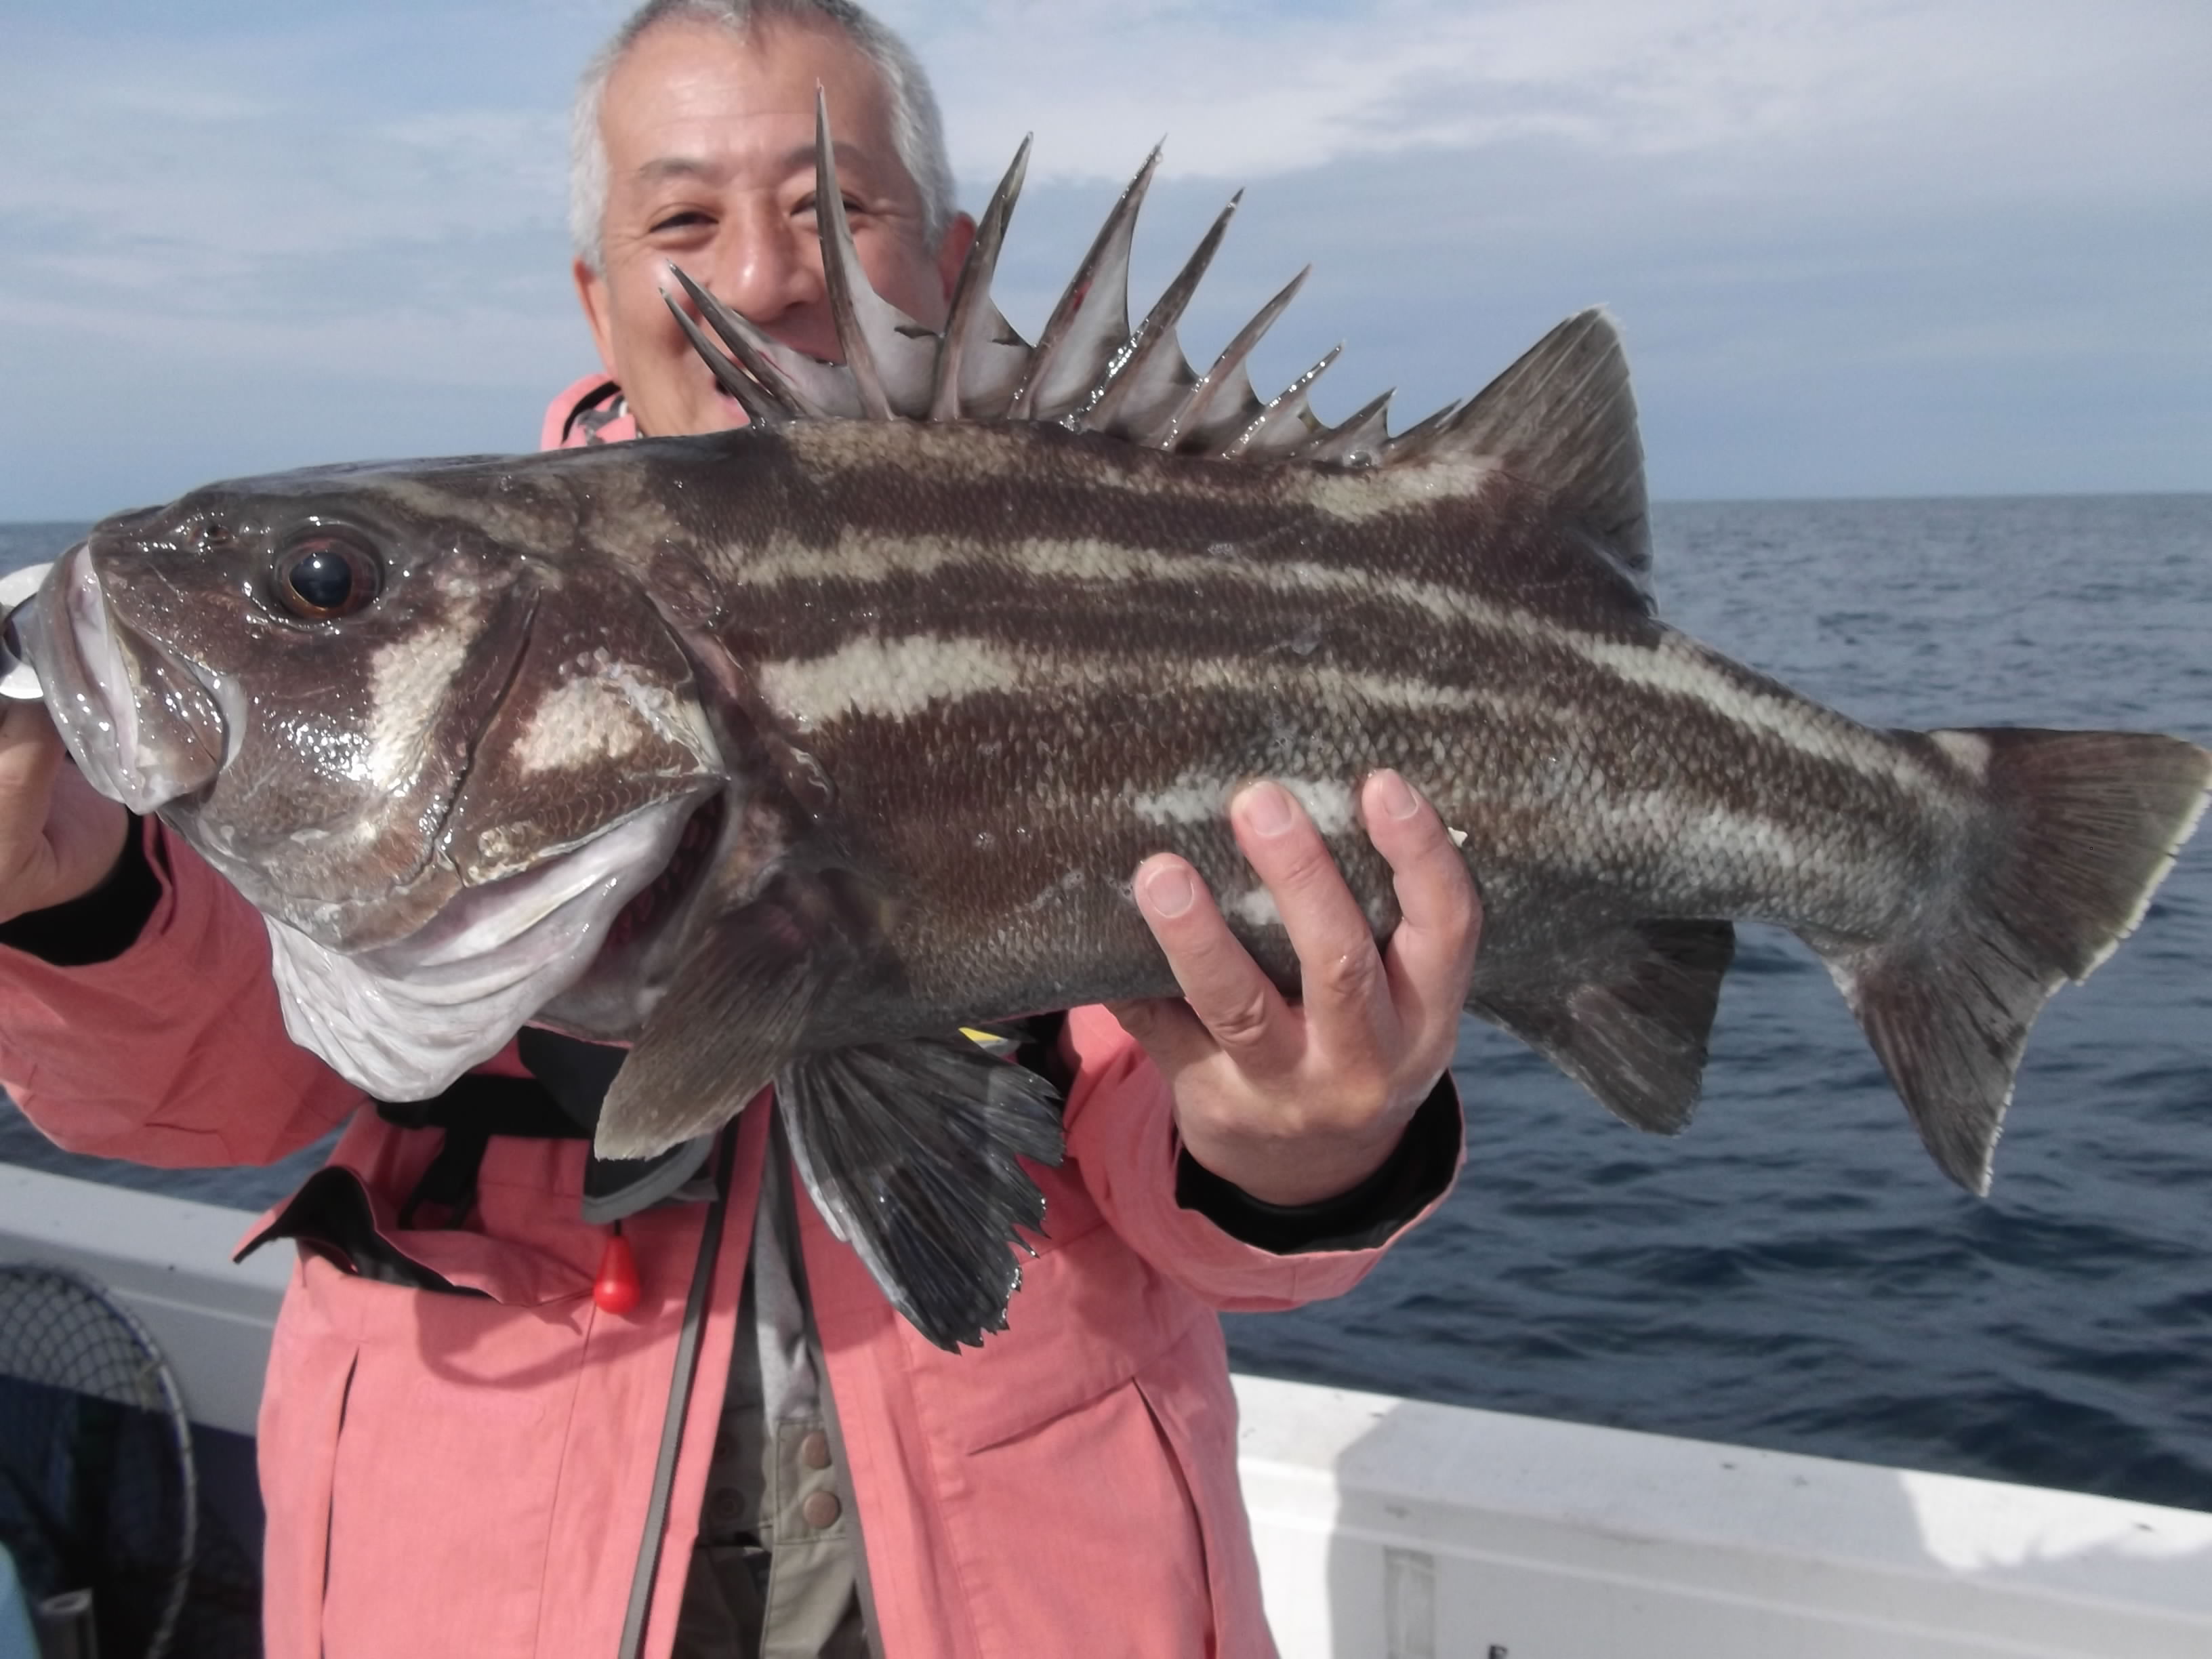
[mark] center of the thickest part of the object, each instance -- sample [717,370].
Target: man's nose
[766,264]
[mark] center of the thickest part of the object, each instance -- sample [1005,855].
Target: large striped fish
[786,752]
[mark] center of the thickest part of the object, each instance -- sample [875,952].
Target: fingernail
[1396,797]
[1170,889]
[1267,809]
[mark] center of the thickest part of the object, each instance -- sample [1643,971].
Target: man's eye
[853,208]
[687,220]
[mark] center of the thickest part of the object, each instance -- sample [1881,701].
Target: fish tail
[2078,830]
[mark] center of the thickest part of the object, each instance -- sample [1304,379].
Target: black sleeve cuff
[1412,1178]
[95,926]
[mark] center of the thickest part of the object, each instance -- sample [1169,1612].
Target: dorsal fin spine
[1196,415]
[1288,407]
[1157,333]
[1109,256]
[841,269]
[1561,417]
[971,293]
[758,403]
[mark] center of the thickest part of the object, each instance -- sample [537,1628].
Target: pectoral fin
[909,1150]
[734,1015]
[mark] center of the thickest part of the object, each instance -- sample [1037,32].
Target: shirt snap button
[820,1509]
[814,1451]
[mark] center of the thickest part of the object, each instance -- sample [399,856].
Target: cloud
[114,157]
[1858,245]
[2051,93]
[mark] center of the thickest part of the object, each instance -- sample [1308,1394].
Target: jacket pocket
[444,1467]
[301,1420]
[1089,1316]
[1189,1394]
[1118,1553]
[334,1218]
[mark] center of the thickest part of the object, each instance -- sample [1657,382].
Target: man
[461,1451]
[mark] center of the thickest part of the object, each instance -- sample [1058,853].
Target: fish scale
[785,754]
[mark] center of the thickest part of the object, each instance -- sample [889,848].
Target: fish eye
[323,575]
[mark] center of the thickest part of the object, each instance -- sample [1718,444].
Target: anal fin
[909,1150]
[1634,1033]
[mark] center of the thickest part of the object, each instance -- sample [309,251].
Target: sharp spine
[1194,418]
[1357,440]
[840,271]
[1156,335]
[756,400]
[1288,408]
[973,310]
[1099,288]
[811,388]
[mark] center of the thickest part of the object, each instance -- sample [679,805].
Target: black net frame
[98,1487]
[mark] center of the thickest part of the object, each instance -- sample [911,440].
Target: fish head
[414,712]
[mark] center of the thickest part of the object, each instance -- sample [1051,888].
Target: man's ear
[952,250]
[598,310]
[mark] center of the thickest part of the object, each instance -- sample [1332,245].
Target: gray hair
[917,130]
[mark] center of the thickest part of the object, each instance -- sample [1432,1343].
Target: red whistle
[617,1290]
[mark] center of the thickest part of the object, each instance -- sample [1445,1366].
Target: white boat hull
[1397,1530]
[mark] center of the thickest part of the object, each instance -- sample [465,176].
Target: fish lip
[73,635]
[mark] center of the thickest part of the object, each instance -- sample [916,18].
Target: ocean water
[1793,1272]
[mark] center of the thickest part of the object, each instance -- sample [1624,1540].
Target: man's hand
[60,837]
[1297,1101]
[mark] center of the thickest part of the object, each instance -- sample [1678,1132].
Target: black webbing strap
[471,1111]
[679,1403]
[559,1100]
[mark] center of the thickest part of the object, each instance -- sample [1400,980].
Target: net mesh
[97,1488]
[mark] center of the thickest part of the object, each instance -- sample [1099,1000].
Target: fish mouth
[142,727]
[609,1001]
[663,899]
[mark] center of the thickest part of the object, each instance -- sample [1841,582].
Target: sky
[1857,247]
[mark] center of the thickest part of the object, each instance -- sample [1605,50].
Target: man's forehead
[717,163]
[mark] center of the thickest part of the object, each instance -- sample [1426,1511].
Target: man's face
[710,164]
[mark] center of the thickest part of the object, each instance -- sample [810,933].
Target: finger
[1240,1009]
[30,755]
[1166,1030]
[60,837]
[1430,954]
[28,742]
[1342,986]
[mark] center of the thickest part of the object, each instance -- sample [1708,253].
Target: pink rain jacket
[455,1475]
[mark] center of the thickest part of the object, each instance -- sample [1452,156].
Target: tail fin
[2082,828]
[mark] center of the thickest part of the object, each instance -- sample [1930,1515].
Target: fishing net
[98,1491]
